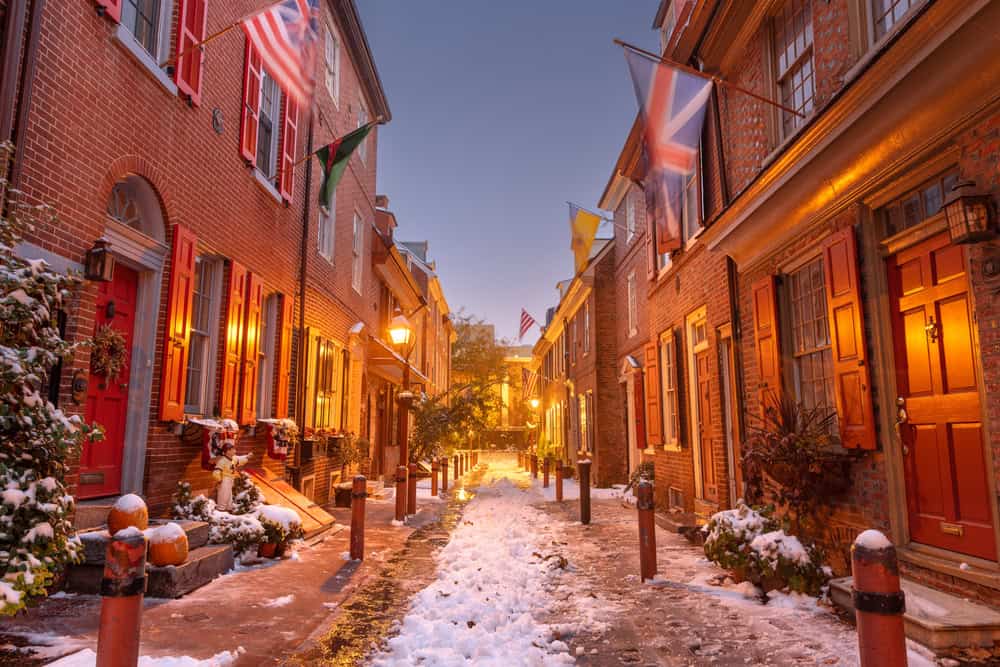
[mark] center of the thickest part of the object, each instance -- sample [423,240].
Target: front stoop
[202,566]
[935,619]
[682,523]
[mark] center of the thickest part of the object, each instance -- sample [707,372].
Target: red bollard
[411,490]
[444,474]
[359,492]
[559,477]
[435,467]
[545,473]
[122,588]
[534,467]
[878,601]
[647,530]
[583,471]
[400,493]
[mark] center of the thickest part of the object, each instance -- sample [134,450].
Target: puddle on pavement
[366,621]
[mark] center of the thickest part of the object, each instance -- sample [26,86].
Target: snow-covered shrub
[280,524]
[246,495]
[754,548]
[36,534]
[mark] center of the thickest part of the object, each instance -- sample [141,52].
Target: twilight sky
[502,111]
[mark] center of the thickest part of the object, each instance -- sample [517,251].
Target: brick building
[239,297]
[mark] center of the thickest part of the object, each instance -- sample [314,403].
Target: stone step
[202,566]
[95,541]
[89,515]
[934,618]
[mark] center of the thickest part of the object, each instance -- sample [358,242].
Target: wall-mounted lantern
[99,263]
[969,213]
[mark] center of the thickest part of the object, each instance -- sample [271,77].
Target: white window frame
[669,405]
[629,218]
[697,319]
[898,19]
[357,253]
[163,29]
[788,124]
[271,170]
[267,357]
[586,328]
[331,58]
[326,230]
[633,305]
[362,149]
[791,324]
[200,401]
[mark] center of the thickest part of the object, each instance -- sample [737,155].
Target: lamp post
[401,335]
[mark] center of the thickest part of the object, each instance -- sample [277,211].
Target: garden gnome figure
[226,468]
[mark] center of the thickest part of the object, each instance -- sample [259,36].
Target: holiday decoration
[168,545]
[215,436]
[281,435]
[108,352]
[226,470]
[129,510]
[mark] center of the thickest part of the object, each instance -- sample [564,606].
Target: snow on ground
[87,658]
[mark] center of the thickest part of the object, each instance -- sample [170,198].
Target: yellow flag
[583,228]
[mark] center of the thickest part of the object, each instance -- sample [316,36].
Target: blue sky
[502,111]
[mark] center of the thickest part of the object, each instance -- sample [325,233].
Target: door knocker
[932,330]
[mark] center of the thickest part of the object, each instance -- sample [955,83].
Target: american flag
[673,104]
[528,382]
[285,35]
[527,321]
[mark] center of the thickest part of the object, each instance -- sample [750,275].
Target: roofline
[357,41]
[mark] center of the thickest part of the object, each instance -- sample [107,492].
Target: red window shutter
[251,105]
[289,138]
[284,347]
[765,319]
[654,431]
[230,386]
[639,409]
[251,348]
[192,18]
[111,8]
[180,297]
[847,330]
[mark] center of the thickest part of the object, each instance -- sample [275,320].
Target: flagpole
[173,60]
[603,219]
[704,75]
[378,121]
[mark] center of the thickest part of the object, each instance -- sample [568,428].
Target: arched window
[134,203]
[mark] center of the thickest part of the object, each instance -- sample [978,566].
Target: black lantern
[969,213]
[99,263]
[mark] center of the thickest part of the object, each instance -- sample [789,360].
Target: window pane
[811,336]
[793,60]
[267,133]
[142,18]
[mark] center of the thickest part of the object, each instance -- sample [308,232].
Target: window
[572,340]
[691,213]
[633,307]
[920,204]
[148,21]
[362,120]
[204,327]
[668,385]
[887,13]
[629,219]
[584,443]
[332,60]
[357,267]
[267,132]
[327,404]
[267,359]
[586,328]
[324,238]
[810,334]
[793,61]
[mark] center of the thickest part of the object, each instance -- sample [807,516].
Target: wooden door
[937,376]
[703,376]
[107,398]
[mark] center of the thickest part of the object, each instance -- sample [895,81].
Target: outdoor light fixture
[534,403]
[969,212]
[400,331]
[99,263]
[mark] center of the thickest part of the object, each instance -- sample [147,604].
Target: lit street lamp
[401,335]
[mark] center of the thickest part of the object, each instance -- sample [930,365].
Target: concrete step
[682,523]
[95,540]
[91,514]
[933,618]
[202,566]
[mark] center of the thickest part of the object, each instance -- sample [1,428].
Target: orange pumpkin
[129,510]
[168,545]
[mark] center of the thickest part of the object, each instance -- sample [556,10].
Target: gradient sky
[502,111]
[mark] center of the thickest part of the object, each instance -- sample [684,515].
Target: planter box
[306,447]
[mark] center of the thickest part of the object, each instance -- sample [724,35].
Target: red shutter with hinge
[284,346]
[766,341]
[230,386]
[180,297]
[654,431]
[251,104]
[289,138]
[111,8]
[192,17]
[251,348]
[847,341]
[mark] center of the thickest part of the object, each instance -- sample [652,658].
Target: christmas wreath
[107,354]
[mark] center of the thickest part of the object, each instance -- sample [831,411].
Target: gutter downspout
[300,399]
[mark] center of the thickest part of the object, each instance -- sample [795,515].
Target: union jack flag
[527,321]
[672,103]
[285,35]
[528,382]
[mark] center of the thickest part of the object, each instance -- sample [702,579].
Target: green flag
[333,160]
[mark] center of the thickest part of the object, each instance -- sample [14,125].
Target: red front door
[107,398]
[937,375]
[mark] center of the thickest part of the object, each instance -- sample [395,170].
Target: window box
[306,447]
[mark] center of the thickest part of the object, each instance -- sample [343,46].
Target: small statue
[226,468]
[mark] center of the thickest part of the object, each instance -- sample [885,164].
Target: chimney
[382,201]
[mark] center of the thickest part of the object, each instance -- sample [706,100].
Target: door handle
[901,418]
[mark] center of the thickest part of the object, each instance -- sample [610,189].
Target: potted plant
[281,525]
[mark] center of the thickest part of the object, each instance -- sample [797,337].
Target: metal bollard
[444,474]
[122,589]
[878,601]
[559,480]
[545,473]
[435,468]
[647,530]
[411,490]
[534,466]
[583,470]
[400,493]
[359,492]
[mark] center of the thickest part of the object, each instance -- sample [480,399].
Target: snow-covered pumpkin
[129,510]
[168,545]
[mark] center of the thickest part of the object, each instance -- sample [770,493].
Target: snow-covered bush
[280,524]
[754,548]
[36,534]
